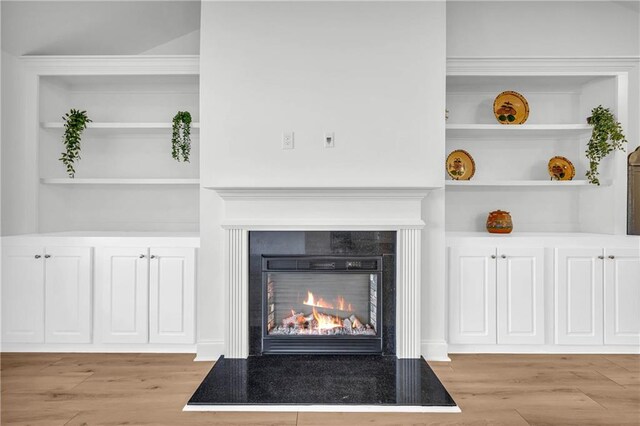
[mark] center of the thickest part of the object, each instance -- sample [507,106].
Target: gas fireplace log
[355,322]
[294,319]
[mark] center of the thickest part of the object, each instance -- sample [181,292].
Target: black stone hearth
[322,379]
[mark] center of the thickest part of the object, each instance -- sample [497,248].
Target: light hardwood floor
[145,389]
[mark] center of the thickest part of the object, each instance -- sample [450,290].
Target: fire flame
[326,322]
[321,303]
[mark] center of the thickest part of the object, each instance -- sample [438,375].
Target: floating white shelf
[117,125]
[110,181]
[519,127]
[538,130]
[541,183]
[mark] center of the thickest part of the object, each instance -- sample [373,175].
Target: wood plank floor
[147,389]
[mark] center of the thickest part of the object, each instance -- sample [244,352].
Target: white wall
[371,72]
[19,209]
[542,28]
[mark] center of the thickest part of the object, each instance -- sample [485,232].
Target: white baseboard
[210,351]
[542,349]
[434,350]
[98,348]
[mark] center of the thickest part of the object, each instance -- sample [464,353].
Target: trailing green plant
[181,137]
[75,121]
[607,136]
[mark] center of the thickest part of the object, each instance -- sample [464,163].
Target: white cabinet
[622,296]
[472,277]
[46,294]
[520,284]
[67,295]
[598,296]
[22,294]
[496,295]
[147,295]
[579,296]
[171,295]
[122,275]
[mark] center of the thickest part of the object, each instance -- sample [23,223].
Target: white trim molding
[311,209]
[237,279]
[408,283]
[210,350]
[540,65]
[435,350]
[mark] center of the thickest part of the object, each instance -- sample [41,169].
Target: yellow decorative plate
[561,169]
[511,108]
[460,165]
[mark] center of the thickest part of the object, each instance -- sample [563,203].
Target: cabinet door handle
[504,256]
[600,257]
[37,256]
[47,256]
[611,256]
[153,256]
[142,256]
[493,256]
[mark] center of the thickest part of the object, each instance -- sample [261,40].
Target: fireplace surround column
[408,293]
[237,278]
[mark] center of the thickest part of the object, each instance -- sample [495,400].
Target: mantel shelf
[118,125]
[540,183]
[117,181]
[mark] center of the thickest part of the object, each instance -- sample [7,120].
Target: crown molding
[540,65]
[112,64]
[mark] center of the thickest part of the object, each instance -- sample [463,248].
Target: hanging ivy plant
[75,122]
[181,137]
[606,137]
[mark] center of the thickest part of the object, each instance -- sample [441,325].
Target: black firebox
[322,292]
[324,304]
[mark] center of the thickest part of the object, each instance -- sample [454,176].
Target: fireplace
[325,304]
[322,292]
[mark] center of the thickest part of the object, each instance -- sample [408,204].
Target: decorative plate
[511,108]
[561,169]
[460,165]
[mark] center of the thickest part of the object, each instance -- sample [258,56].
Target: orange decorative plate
[561,169]
[511,108]
[460,165]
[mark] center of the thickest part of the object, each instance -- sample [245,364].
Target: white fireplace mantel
[323,208]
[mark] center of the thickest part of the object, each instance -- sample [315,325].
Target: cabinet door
[122,280]
[68,295]
[472,281]
[22,294]
[171,295]
[520,294]
[579,282]
[622,297]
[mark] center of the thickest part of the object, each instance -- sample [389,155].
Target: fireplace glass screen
[322,304]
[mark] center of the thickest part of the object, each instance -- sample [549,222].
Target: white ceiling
[94,27]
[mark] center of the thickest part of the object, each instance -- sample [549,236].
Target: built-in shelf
[538,130]
[110,181]
[541,183]
[117,125]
